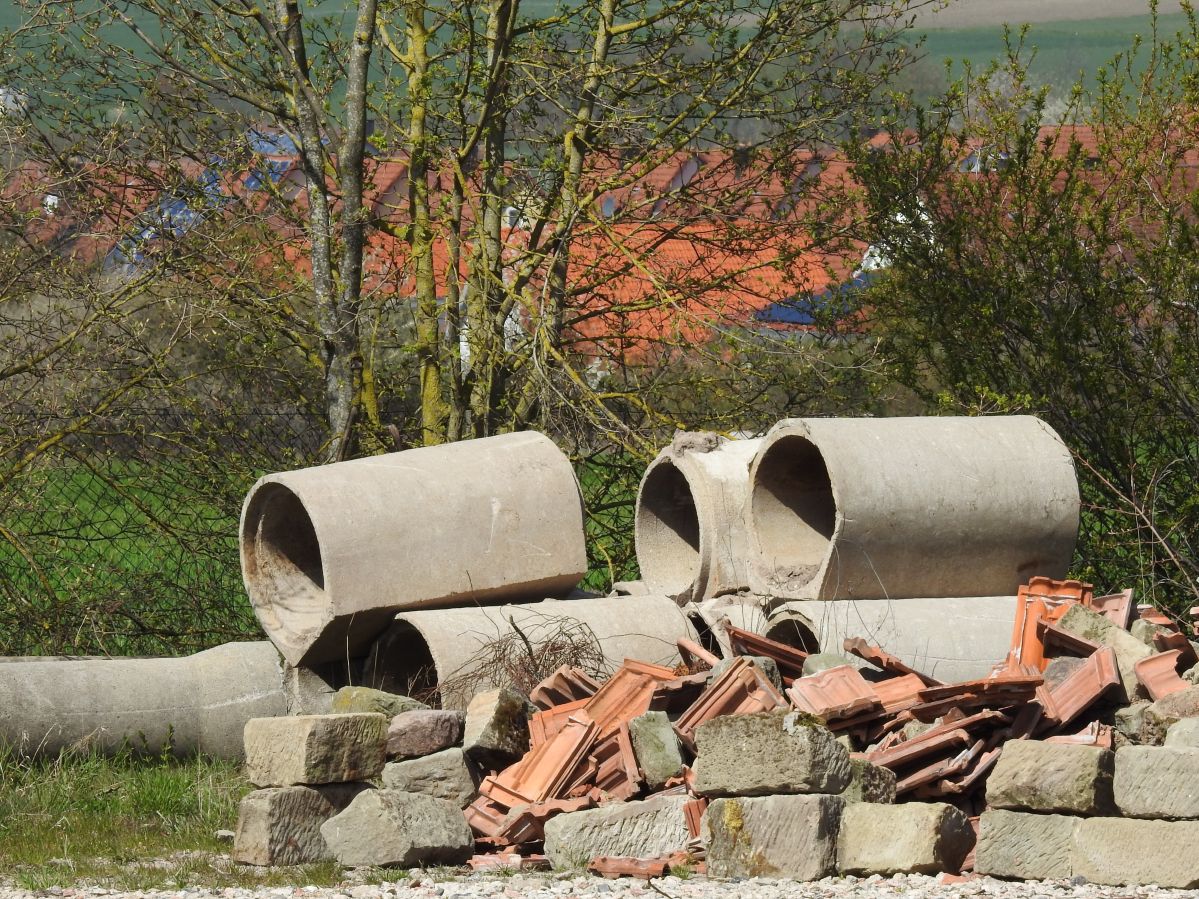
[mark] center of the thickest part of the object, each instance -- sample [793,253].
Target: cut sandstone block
[768,754]
[773,836]
[368,699]
[1161,715]
[656,748]
[282,825]
[444,775]
[1124,852]
[421,732]
[869,783]
[497,728]
[1025,846]
[1052,777]
[314,749]
[911,838]
[648,829]
[1157,782]
[390,827]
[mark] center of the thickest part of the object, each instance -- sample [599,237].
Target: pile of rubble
[772,762]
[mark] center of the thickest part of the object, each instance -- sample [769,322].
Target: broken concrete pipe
[329,554]
[197,703]
[875,508]
[690,521]
[461,652]
[950,638]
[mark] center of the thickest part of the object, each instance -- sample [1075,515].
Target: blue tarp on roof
[809,308]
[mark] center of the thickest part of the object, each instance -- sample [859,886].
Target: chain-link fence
[122,537]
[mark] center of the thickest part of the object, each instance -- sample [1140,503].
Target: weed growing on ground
[130,822]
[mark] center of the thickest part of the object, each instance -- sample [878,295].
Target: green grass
[1064,51]
[128,824]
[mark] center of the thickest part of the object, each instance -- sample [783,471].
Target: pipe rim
[675,565]
[283,566]
[793,512]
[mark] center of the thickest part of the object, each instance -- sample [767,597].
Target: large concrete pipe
[875,508]
[950,638]
[690,523]
[198,703]
[330,554]
[460,652]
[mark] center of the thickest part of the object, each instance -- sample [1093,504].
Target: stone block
[1183,734]
[647,829]
[766,665]
[910,838]
[656,748]
[447,775]
[869,783]
[1127,852]
[368,699]
[1090,625]
[497,728]
[1130,719]
[393,828]
[1052,777]
[282,825]
[1025,846]
[314,749]
[773,836]
[1159,716]
[419,732]
[1157,782]
[768,754]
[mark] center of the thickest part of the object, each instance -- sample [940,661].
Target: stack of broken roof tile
[1058,684]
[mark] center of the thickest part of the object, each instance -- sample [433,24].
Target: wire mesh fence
[121,538]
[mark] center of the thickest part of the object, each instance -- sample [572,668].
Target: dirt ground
[967,13]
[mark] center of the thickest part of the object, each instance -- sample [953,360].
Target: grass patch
[128,823]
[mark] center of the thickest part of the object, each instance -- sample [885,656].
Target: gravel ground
[417,885]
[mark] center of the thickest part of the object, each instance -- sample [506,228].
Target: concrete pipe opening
[282,557]
[794,633]
[401,661]
[668,531]
[792,507]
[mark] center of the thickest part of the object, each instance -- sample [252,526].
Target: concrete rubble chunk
[366,699]
[766,665]
[1160,715]
[1090,625]
[1157,782]
[910,838]
[496,733]
[1130,719]
[869,783]
[768,754]
[823,661]
[282,825]
[1052,777]
[773,836]
[1025,846]
[656,748]
[314,749]
[1183,734]
[421,732]
[1126,851]
[648,829]
[391,827]
[1145,631]
[446,775]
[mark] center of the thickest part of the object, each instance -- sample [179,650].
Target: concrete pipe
[875,508]
[330,554]
[950,638]
[198,703]
[460,652]
[690,523]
